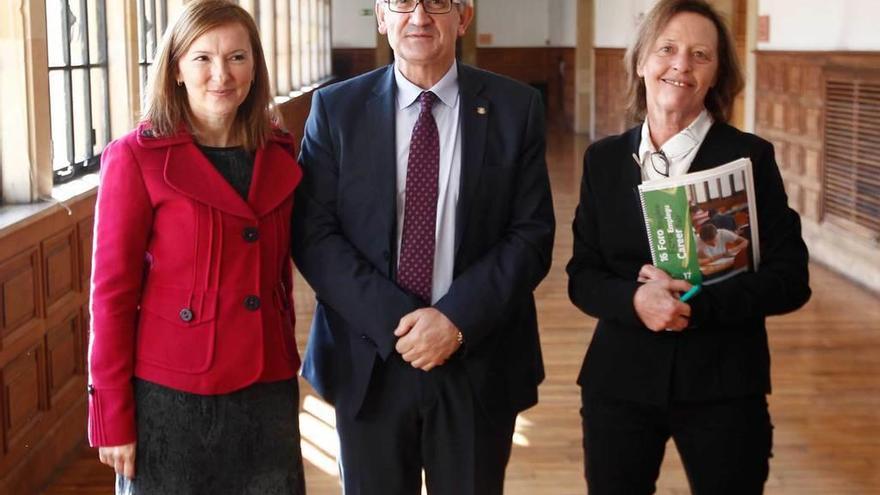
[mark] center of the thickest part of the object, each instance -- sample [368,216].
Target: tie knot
[427,100]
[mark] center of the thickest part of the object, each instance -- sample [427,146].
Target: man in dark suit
[424,224]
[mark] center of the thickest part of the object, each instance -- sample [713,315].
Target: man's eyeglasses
[430,6]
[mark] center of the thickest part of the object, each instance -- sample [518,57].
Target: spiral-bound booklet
[703,226]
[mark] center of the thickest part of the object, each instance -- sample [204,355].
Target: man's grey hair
[462,2]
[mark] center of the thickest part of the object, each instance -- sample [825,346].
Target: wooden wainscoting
[294,112]
[610,92]
[791,108]
[44,287]
[350,62]
[549,67]
[790,113]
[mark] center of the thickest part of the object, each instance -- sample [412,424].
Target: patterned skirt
[245,442]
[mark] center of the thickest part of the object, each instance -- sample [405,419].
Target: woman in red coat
[192,357]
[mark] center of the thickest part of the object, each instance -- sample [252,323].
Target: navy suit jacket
[724,354]
[344,237]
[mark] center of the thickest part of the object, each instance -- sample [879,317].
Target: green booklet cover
[670,233]
[702,226]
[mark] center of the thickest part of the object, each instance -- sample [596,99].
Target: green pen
[691,293]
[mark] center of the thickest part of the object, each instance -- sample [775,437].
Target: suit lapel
[475,111]
[382,156]
[633,175]
[634,139]
[189,172]
[715,149]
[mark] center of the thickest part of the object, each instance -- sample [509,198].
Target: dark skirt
[245,442]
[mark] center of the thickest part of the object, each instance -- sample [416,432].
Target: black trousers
[724,445]
[413,420]
[242,443]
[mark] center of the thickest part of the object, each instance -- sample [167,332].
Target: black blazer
[344,236]
[724,353]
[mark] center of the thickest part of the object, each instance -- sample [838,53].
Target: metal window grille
[78,85]
[152,20]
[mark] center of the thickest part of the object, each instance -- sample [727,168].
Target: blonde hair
[728,80]
[167,106]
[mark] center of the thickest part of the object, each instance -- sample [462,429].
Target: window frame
[159,11]
[90,161]
[26,162]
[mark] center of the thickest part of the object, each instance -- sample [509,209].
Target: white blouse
[680,149]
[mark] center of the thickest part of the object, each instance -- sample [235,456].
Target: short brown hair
[729,79]
[708,231]
[167,106]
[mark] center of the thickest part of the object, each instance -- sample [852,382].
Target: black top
[724,354]
[235,164]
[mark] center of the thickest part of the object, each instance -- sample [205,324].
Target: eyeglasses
[430,6]
[659,163]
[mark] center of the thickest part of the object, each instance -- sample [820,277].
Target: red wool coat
[191,284]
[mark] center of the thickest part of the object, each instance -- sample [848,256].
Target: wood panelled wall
[294,113]
[44,286]
[550,66]
[610,92]
[790,112]
[350,62]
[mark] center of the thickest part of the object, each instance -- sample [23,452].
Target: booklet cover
[701,225]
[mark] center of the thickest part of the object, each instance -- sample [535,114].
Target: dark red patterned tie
[416,269]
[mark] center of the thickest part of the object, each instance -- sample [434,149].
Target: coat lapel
[714,150]
[633,175]
[475,111]
[634,139]
[189,172]
[276,174]
[382,154]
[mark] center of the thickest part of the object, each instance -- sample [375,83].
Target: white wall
[352,29]
[563,23]
[822,24]
[514,22]
[616,21]
[520,23]
[527,23]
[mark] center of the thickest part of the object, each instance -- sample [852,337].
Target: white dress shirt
[446,114]
[680,149]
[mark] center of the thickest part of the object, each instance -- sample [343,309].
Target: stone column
[584,69]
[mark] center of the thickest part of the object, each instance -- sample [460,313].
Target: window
[92,59]
[296,41]
[282,47]
[324,31]
[78,85]
[152,21]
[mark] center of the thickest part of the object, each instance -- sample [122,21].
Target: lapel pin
[482,111]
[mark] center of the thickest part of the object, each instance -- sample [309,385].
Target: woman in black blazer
[697,372]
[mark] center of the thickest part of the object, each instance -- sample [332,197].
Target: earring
[179,83]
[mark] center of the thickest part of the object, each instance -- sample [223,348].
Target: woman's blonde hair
[167,106]
[728,80]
